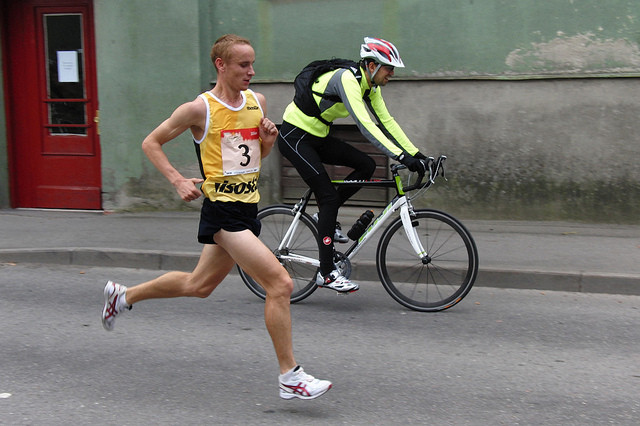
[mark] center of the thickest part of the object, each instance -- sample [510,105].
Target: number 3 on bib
[240,151]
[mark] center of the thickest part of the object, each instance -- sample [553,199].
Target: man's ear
[371,66]
[219,63]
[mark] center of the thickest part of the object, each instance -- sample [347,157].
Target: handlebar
[436,168]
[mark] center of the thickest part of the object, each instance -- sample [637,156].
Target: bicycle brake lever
[441,166]
[433,169]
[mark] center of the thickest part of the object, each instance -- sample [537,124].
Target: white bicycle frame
[402,203]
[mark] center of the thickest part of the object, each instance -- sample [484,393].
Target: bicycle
[426,259]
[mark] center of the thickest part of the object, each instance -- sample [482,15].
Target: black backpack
[303,97]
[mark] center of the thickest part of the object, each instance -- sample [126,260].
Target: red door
[52,105]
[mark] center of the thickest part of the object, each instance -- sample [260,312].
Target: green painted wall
[149,62]
[153,55]
[444,38]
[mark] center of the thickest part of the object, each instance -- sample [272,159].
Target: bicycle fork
[406,214]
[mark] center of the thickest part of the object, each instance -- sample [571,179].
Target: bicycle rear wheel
[446,275]
[275,221]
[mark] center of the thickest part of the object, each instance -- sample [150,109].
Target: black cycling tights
[308,153]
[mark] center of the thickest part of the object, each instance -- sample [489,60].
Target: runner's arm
[190,115]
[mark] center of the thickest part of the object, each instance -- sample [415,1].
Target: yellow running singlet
[230,152]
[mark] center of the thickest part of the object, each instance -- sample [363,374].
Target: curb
[364,270]
[121,258]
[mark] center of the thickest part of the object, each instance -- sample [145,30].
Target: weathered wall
[148,63]
[476,87]
[444,38]
[536,149]
[518,149]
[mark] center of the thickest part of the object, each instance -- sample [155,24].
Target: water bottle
[361,224]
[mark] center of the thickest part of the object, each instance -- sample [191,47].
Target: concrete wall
[444,38]
[535,149]
[476,88]
[149,62]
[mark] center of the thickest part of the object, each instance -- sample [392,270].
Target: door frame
[30,10]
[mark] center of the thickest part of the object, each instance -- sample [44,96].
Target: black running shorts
[230,216]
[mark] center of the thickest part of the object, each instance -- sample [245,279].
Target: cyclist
[305,141]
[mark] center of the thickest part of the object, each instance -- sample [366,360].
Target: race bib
[240,151]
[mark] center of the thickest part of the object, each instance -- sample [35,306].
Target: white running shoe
[113,293]
[298,384]
[338,236]
[336,282]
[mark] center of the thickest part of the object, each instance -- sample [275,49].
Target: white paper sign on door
[68,66]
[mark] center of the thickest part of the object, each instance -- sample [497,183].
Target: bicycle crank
[342,263]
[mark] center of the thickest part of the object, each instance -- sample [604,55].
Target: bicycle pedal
[344,293]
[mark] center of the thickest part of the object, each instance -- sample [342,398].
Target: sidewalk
[534,255]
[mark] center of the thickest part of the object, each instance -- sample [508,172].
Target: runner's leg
[260,263]
[213,266]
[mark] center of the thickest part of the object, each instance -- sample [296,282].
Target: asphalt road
[500,357]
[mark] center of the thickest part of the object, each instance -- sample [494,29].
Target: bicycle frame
[399,202]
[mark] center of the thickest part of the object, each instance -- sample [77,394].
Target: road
[500,357]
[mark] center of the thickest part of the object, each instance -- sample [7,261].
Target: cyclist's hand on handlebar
[420,156]
[428,160]
[414,164]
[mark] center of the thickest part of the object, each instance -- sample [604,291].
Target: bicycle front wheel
[275,221]
[440,280]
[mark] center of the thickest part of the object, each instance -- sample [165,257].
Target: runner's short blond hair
[222,47]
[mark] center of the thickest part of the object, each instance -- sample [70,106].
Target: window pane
[65,72]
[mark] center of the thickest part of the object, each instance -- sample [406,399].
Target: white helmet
[381,51]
